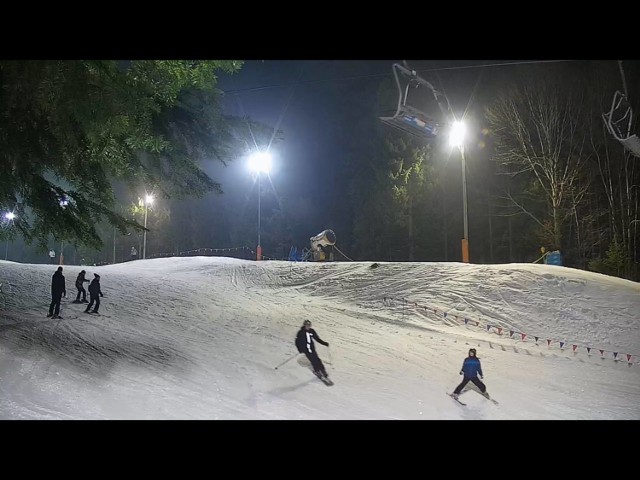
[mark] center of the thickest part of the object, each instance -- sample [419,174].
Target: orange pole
[465,250]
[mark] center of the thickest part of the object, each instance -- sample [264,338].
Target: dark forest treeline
[542,171]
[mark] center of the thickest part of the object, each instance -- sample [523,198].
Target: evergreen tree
[68,128]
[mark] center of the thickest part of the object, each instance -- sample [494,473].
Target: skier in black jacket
[80,286]
[305,344]
[94,291]
[58,289]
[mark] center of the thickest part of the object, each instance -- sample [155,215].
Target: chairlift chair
[619,120]
[408,117]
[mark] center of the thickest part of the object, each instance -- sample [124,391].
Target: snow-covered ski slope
[200,337]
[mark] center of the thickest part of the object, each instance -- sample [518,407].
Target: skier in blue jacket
[471,369]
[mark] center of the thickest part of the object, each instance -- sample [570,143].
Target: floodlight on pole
[456,139]
[147,201]
[63,203]
[9,216]
[259,162]
[457,134]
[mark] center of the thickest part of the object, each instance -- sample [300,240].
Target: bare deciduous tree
[539,133]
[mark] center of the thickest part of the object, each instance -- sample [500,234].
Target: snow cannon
[322,246]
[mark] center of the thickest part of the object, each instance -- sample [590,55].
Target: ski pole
[287,360]
[330,359]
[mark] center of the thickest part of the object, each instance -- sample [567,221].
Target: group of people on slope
[59,290]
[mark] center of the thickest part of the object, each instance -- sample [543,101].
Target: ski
[325,380]
[457,400]
[489,398]
[485,395]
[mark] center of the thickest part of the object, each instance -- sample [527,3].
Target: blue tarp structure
[294,256]
[554,258]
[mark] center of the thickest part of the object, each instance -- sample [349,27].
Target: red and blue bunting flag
[499,329]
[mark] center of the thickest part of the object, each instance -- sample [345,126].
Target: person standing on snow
[94,291]
[471,369]
[58,289]
[305,344]
[80,286]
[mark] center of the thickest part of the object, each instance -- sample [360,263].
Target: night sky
[314,103]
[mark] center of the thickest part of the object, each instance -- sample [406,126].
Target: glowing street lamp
[260,162]
[63,203]
[147,201]
[9,216]
[456,139]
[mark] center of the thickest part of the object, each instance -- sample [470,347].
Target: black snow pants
[475,380]
[316,362]
[93,298]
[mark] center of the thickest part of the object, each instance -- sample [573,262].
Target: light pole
[259,162]
[63,203]
[147,201]
[456,139]
[9,216]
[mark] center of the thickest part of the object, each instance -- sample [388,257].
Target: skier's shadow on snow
[304,362]
[292,388]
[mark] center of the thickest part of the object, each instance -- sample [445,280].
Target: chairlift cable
[358,77]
